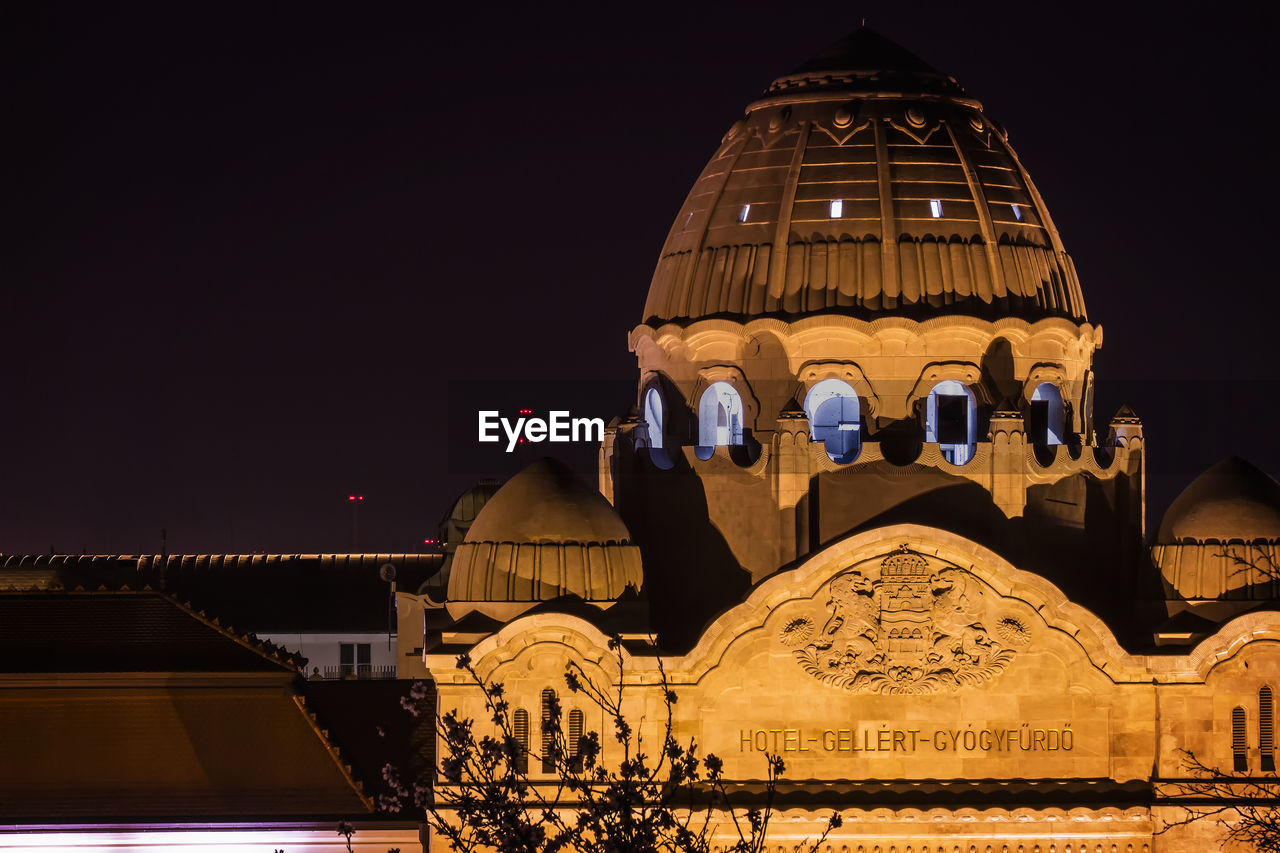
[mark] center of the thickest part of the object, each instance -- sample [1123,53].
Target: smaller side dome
[1232,501]
[453,530]
[543,535]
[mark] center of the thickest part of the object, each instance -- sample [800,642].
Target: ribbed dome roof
[935,214]
[1231,500]
[545,534]
[547,502]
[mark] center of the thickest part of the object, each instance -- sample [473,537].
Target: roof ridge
[278,655]
[335,752]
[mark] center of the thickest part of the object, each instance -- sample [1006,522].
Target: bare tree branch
[482,795]
[1247,807]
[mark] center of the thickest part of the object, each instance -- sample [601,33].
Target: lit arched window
[520,722]
[834,418]
[1266,730]
[1239,741]
[951,421]
[653,417]
[1045,418]
[720,416]
[549,718]
[575,739]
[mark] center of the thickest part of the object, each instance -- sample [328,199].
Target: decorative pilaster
[1008,461]
[790,475]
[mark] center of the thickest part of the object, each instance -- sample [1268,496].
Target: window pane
[953,419]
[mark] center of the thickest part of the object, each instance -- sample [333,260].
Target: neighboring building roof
[59,632]
[119,753]
[935,213]
[263,593]
[124,706]
[1232,501]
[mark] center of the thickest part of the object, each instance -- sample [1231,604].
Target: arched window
[1045,417]
[834,418]
[549,721]
[653,417]
[720,416]
[1266,730]
[520,722]
[575,739]
[951,420]
[1239,741]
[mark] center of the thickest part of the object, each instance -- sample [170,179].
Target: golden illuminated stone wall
[760,503]
[913,656]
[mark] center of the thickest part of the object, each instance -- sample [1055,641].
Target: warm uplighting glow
[264,838]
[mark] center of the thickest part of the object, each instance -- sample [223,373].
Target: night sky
[248,248]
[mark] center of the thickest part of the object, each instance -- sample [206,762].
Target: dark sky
[247,247]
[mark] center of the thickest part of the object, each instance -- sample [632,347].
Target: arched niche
[720,416]
[814,372]
[951,420]
[653,410]
[835,418]
[1046,421]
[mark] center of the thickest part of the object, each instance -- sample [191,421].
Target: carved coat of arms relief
[905,626]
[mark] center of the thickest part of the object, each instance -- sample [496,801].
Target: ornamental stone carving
[905,627]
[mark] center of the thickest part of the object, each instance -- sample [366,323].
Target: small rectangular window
[953,419]
[935,207]
[1239,742]
[574,742]
[521,726]
[1038,422]
[346,659]
[837,208]
[548,763]
[364,660]
[1266,730]
[744,213]
[1017,213]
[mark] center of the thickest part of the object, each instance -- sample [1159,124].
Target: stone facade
[875,529]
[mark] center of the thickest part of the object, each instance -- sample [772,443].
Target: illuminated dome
[865,183]
[545,534]
[1232,501]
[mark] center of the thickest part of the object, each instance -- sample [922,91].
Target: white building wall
[322,651]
